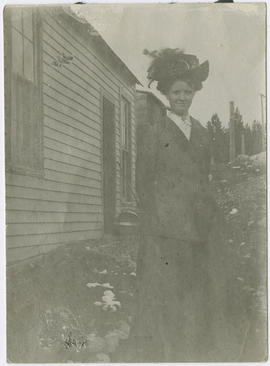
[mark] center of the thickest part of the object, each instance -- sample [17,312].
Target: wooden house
[70,131]
[148,109]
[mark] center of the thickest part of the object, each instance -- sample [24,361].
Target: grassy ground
[241,193]
[75,304]
[56,310]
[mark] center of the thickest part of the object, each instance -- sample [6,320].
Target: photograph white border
[2,162]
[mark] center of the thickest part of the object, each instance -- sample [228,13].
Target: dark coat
[172,181]
[181,295]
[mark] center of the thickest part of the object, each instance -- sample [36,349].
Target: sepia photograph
[135,183]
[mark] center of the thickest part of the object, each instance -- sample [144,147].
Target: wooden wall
[64,205]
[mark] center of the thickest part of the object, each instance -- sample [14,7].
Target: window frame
[12,165]
[105,94]
[126,198]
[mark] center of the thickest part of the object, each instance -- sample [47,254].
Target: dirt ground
[75,304]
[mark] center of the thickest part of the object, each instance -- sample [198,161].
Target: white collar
[175,116]
[183,123]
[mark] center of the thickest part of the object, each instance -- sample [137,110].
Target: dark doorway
[109,165]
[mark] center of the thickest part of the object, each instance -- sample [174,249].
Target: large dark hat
[170,64]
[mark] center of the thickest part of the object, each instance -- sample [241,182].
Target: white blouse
[183,123]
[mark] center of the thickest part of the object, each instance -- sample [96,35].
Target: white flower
[104,271]
[109,301]
[96,284]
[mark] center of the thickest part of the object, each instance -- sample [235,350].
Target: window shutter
[25,124]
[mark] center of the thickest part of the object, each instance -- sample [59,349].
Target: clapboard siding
[69,130]
[87,147]
[65,204]
[22,241]
[92,174]
[50,206]
[60,115]
[53,48]
[73,73]
[35,228]
[69,97]
[80,62]
[70,159]
[69,78]
[49,185]
[62,147]
[73,45]
[54,174]
[73,179]
[71,168]
[56,196]
[101,66]
[72,110]
[23,217]
[60,85]
[54,119]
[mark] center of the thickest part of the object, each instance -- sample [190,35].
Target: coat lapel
[195,147]
[199,145]
[176,134]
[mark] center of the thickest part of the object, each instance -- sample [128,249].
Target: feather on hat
[172,63]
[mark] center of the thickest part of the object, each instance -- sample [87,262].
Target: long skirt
[181,304]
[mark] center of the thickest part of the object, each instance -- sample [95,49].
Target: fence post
[232,132]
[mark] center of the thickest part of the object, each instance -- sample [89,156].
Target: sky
[230,36]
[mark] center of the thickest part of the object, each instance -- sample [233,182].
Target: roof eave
[99,39]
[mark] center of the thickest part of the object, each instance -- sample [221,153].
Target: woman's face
[180,97]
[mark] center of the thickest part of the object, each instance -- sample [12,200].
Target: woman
[176,305]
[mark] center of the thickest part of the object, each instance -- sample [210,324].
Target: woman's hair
[171,64]
[164,85]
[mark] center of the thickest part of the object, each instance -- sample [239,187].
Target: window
[23,89]
[126,170]
[109,163]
